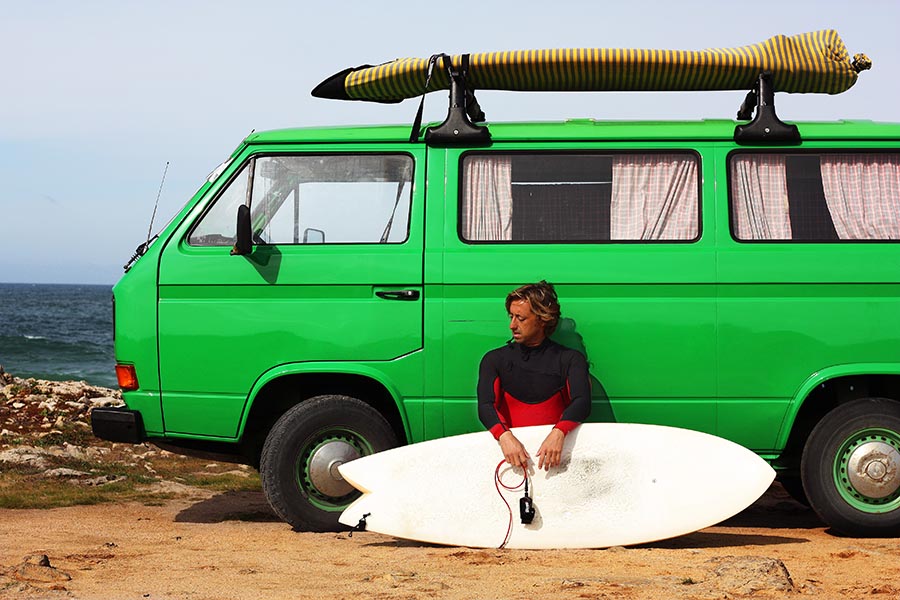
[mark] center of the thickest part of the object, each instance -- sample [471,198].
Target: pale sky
[98,95]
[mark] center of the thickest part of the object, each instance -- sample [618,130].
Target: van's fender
[820,377]
[318,368]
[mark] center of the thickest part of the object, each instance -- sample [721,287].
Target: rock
[41,560]
[232,472]
[18,405]
[75,452]
[744,575]
[26,456]
[94,452]
[62,472]
[393,579]
[37,568]
[105,401]
[98,481]
[5,432]
[173,487]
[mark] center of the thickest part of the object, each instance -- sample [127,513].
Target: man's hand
[550,452]
[513,450]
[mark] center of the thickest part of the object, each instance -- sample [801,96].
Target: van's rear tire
[298,465]
[851,468]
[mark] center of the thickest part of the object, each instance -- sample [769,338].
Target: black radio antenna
[140,250]
[155,206]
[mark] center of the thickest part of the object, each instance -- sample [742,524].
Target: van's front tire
[851,468]
[299,460]
[793,485]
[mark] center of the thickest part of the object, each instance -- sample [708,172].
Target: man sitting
[532,380]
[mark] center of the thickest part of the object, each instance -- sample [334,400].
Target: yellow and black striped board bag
[816,62]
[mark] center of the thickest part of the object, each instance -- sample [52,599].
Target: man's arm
[488,394]
[578,382]
[488,391]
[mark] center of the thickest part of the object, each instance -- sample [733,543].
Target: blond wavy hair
[543,300]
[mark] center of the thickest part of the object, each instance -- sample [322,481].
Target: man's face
[526,328]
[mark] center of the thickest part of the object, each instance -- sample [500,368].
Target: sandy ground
[229,545]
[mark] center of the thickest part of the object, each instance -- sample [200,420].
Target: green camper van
[329,292]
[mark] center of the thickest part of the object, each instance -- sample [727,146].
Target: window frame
[251,158]
[795,152]
[698,157]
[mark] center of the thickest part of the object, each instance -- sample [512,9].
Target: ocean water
[57,332]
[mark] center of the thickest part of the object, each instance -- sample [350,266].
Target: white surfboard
[617,484]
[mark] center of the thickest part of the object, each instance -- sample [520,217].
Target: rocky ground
[81,518]
[45,420]
[46,444]
[37,409]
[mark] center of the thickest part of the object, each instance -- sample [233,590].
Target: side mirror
[313,236]
[243,243]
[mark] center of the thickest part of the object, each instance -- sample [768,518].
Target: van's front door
[334,275]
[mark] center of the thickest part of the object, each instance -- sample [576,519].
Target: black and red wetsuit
[521,385]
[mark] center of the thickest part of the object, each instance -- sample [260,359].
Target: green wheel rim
[842,471]
[302,471]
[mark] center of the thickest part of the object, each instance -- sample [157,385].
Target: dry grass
[24,486]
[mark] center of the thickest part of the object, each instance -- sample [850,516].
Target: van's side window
[315,199]
[566,197]
[815,197]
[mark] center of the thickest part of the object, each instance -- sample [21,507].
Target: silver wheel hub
[323,467]
[872,469]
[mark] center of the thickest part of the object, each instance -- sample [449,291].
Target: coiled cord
[497,484]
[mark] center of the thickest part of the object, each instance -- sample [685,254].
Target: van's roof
[586,129]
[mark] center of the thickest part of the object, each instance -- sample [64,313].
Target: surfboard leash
[526,508]
[361,526]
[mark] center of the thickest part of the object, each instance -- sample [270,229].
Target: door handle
[398,294]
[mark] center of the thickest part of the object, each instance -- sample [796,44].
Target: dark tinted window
[826,197]
[563,197]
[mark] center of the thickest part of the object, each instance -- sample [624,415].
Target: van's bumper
[118,425]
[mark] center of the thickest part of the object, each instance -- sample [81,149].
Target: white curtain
[862,192]
[759,197]
[487,198]
[654,197]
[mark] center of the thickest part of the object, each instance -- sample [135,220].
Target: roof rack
[458,128]
[766,127]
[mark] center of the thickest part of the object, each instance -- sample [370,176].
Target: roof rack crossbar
[458,128]
[766,127]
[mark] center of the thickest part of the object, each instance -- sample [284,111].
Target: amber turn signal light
[127,377]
